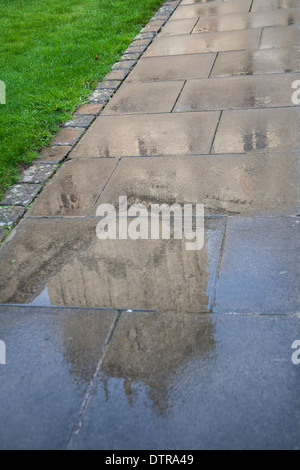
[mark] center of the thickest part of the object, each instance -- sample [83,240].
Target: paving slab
[241,92]
[68,136]
[266,5]
[54,154]
[146,135]
[258,129]
[196,382]
[254,183]
[142,98]
[261,19]
[74,189]
[282,36]
[265,61]
[260,266]
[178,27]
[51,357]
[73,267]
[207,42]
[184,67]
[211,8]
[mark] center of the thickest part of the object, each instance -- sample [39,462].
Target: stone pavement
[142,344]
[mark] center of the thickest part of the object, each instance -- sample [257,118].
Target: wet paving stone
[241,92]
[9,215]
[73,267]
[68,136]
[142,98]
[284,17]
[258,129]
[208,42]
[260,266]
[216,8]
[54,154]
[266,61]
[266,5]
[178,27]
[210,391]
[20,194]
[74,189]
[240,184]
[51,357]
[37,173]
[285,36]
[146,135]
[183,67]
[90,108]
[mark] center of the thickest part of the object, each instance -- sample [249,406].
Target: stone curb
[20,195]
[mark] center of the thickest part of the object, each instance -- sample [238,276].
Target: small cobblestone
[68,136]
[3,233]
[80,121]
[9,215]
[37,173]
[20,194]
[90,108]
[54,154]
[100,96]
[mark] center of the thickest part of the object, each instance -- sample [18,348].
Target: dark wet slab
[260,266]
[264,61]
[73,267]
[207,42]
[74,189]
[253,183]
[196,382]
[184,67]
[178,27]
[283,17]
[212,8]
[265,5]
[146,135]
[241,92]
[51,357]
[284,36]
[142,98]
[274,129]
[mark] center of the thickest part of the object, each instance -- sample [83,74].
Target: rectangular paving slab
[258,129]
[142,98]
[73,267]
[253,183]
[51,357]
[146,135]
[264,61]
[213,8]
[262,5]
[74,189]
[241,92]
[260,266]
[224,383]
[284,36]
[178,27]
[207,42]
[284,17]
[184,67]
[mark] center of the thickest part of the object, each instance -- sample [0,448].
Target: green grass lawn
[48,51]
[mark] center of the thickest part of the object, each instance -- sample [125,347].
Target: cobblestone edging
[20,195]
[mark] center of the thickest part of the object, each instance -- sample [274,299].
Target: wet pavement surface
[144,341]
